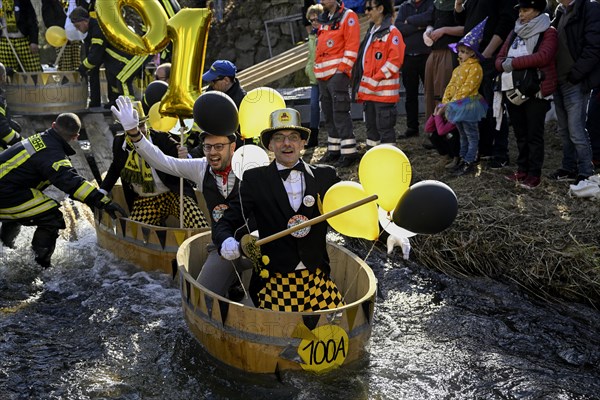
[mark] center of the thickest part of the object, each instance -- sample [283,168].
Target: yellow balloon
[112,23]
[256,108]
[361,222]
[385,171]
[56,36]
[159,122]
[188,30]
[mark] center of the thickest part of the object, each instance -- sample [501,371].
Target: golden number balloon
[110,18]
[188,30]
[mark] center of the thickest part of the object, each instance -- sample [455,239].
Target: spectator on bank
[441,31]
[462,102]
[501,17]
[376,73]
[444,136]
[532,45]
[415,58]
[592,125]
[337,49]
[19,48]
[312,15]
[577,60]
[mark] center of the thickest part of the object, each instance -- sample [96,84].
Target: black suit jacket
[166,144]
[264,196]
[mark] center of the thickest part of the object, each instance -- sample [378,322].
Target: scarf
[530,31]
[444,5]
[7,11]
[137,170]
[224,174]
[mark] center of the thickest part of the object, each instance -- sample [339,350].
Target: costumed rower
[213,177]
[286,192]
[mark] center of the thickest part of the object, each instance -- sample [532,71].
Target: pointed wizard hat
[472,40]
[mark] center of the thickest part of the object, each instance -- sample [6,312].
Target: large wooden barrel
[45,93]
[150,247]
[263,341]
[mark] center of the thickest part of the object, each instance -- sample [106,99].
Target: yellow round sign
[327,350]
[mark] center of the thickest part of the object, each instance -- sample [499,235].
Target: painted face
[287,145]
[218,151]
[526,14]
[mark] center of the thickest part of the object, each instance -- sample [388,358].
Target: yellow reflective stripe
[117,56]
[88,64]
[14,162]
[10,136]
[61,163]
[83,192]
[39,204]
[98,41]
[2,111]
[130,68]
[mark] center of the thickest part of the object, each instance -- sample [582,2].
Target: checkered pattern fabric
[154,210]
[30,61]
[300,291]
[71,57]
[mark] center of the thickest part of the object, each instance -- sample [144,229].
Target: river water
[92,327]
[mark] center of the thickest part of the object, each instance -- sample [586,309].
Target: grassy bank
[542,240]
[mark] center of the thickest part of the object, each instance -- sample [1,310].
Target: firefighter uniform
[338,40]
[20,29]
[376,80]
[120,68]
[8,134]
[26,169]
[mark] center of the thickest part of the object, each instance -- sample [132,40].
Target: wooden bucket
[46,93]
[264,341]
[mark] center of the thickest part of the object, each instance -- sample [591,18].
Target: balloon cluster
[426,207]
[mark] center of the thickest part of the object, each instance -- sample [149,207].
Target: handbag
[526,82]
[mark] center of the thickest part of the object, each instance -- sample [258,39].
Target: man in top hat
[286,192]
[151,195]
[212,176]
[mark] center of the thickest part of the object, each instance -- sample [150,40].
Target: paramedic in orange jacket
[338,39]
[376,74]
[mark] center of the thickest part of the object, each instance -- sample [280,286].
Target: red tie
[224,174]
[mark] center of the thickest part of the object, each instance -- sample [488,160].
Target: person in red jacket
[532,45]
[376,74]
[338,39]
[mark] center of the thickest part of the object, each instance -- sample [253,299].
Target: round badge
[308,200]
[295,220]
[378,55]
[330,43]
[218,211]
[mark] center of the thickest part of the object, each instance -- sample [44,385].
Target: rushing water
[93,328]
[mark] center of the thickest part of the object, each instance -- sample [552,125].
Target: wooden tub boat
[150,247]
[262,341]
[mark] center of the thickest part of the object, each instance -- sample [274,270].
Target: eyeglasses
[280,138]
[216,146]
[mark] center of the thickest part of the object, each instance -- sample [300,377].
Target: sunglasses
[219,78]
[313,20]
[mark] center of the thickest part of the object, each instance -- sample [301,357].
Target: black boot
[43,244]
[9,232]
[313,140]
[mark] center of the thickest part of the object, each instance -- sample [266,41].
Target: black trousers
[492,142]
[528,120]
[413,72]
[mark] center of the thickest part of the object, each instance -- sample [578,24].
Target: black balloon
[427,207]
[153,94]
[216,113]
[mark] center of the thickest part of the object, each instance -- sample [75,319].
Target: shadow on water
[93,328]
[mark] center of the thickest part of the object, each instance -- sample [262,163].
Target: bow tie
[285,173]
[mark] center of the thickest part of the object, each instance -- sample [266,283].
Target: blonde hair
[314,9]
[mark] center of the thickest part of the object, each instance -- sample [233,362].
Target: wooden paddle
[250,243]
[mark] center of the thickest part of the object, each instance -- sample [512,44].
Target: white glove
[402,242]
[126,114]
[230,249]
